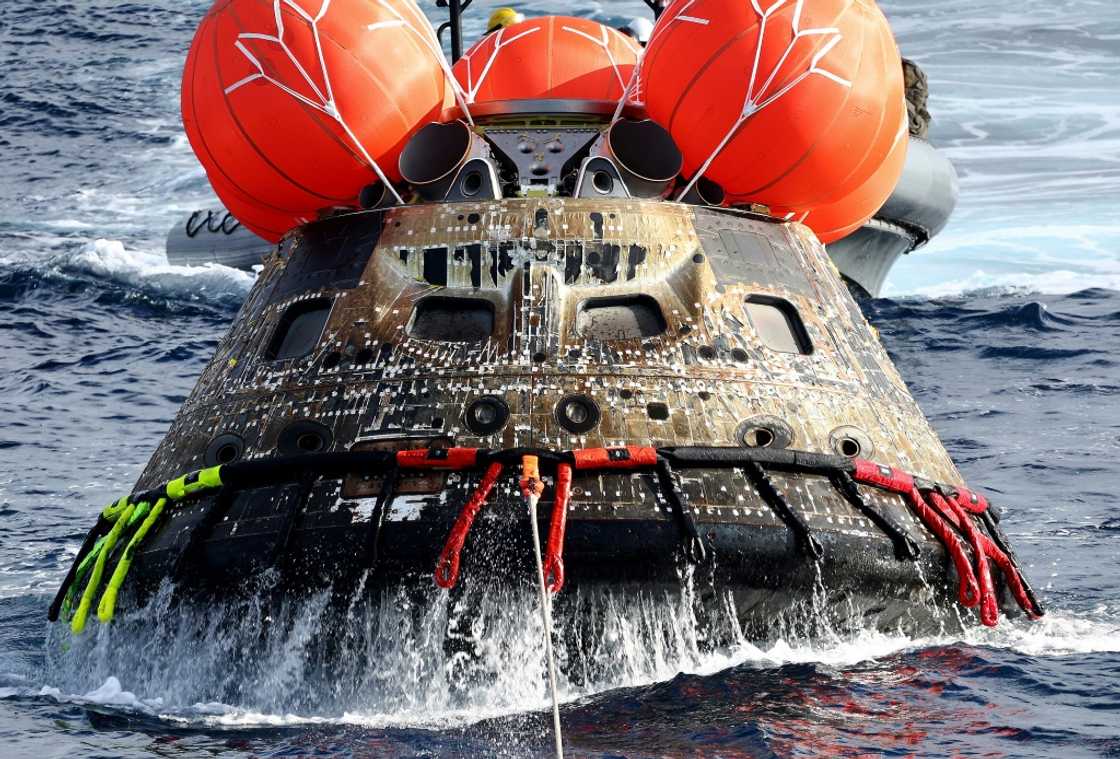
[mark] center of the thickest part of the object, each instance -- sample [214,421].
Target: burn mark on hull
[636,258]
[435,266]
[602,259]
[596,224]
[573,262]
[474,252]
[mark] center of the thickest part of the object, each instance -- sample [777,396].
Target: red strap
[969,592]
[992,551]
[630,457]
[971,501]
[956,511]
[554,553]
[447,567]
[989,606]
[885,477]
[438,458]
[1007,568]
[1011,577]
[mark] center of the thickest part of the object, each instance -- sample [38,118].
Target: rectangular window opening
[778,324]
[452,320]
[624,317]
[299,329]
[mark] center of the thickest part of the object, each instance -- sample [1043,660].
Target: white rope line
[764,16]
[428,38]
[499,44]
[326,103]
[755,102]
[904,124]
[634,85]
[603,43]
[240,82]
[546,619]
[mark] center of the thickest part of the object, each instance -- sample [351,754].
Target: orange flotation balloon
[551,57]
[263,221]
[790,103]
[840,218]
[293,106]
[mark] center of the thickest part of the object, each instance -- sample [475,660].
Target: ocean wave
[120,275]
[1057,635]
[981,283]
[111,260]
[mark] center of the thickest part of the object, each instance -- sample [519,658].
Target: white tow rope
[531,488]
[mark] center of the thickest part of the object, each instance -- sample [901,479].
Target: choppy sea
[1007,328]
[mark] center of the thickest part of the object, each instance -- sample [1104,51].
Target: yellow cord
[78,623]
[108,603]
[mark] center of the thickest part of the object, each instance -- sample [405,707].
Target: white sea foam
[1058,282]
[110,693]
[1057,634]
[110,259]
[249,665]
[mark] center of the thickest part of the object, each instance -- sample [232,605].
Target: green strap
[80,574]
[140,512]
[108,603]
[203,479]
[78,623]
[112,511]
[125,515]
[87,562]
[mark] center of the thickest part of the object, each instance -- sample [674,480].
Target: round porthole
[577,413]
[764,432]
[850,441]
[224,449]
[471,184]
[602,182]
[304,436]
[486,415]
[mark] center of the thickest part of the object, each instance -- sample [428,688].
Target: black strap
[692,542]
[806,541]
[905,547]
[377,518]
[193,549]
[101,528]
[295,515]
[733,457]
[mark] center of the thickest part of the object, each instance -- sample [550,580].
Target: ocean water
[1007,328]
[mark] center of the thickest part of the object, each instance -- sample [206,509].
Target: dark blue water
[100,341]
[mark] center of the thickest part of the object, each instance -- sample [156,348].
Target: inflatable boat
[546,314]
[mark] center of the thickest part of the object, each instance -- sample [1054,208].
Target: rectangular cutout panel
[625,317]
[778,324]
[452,320]
[299,329]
